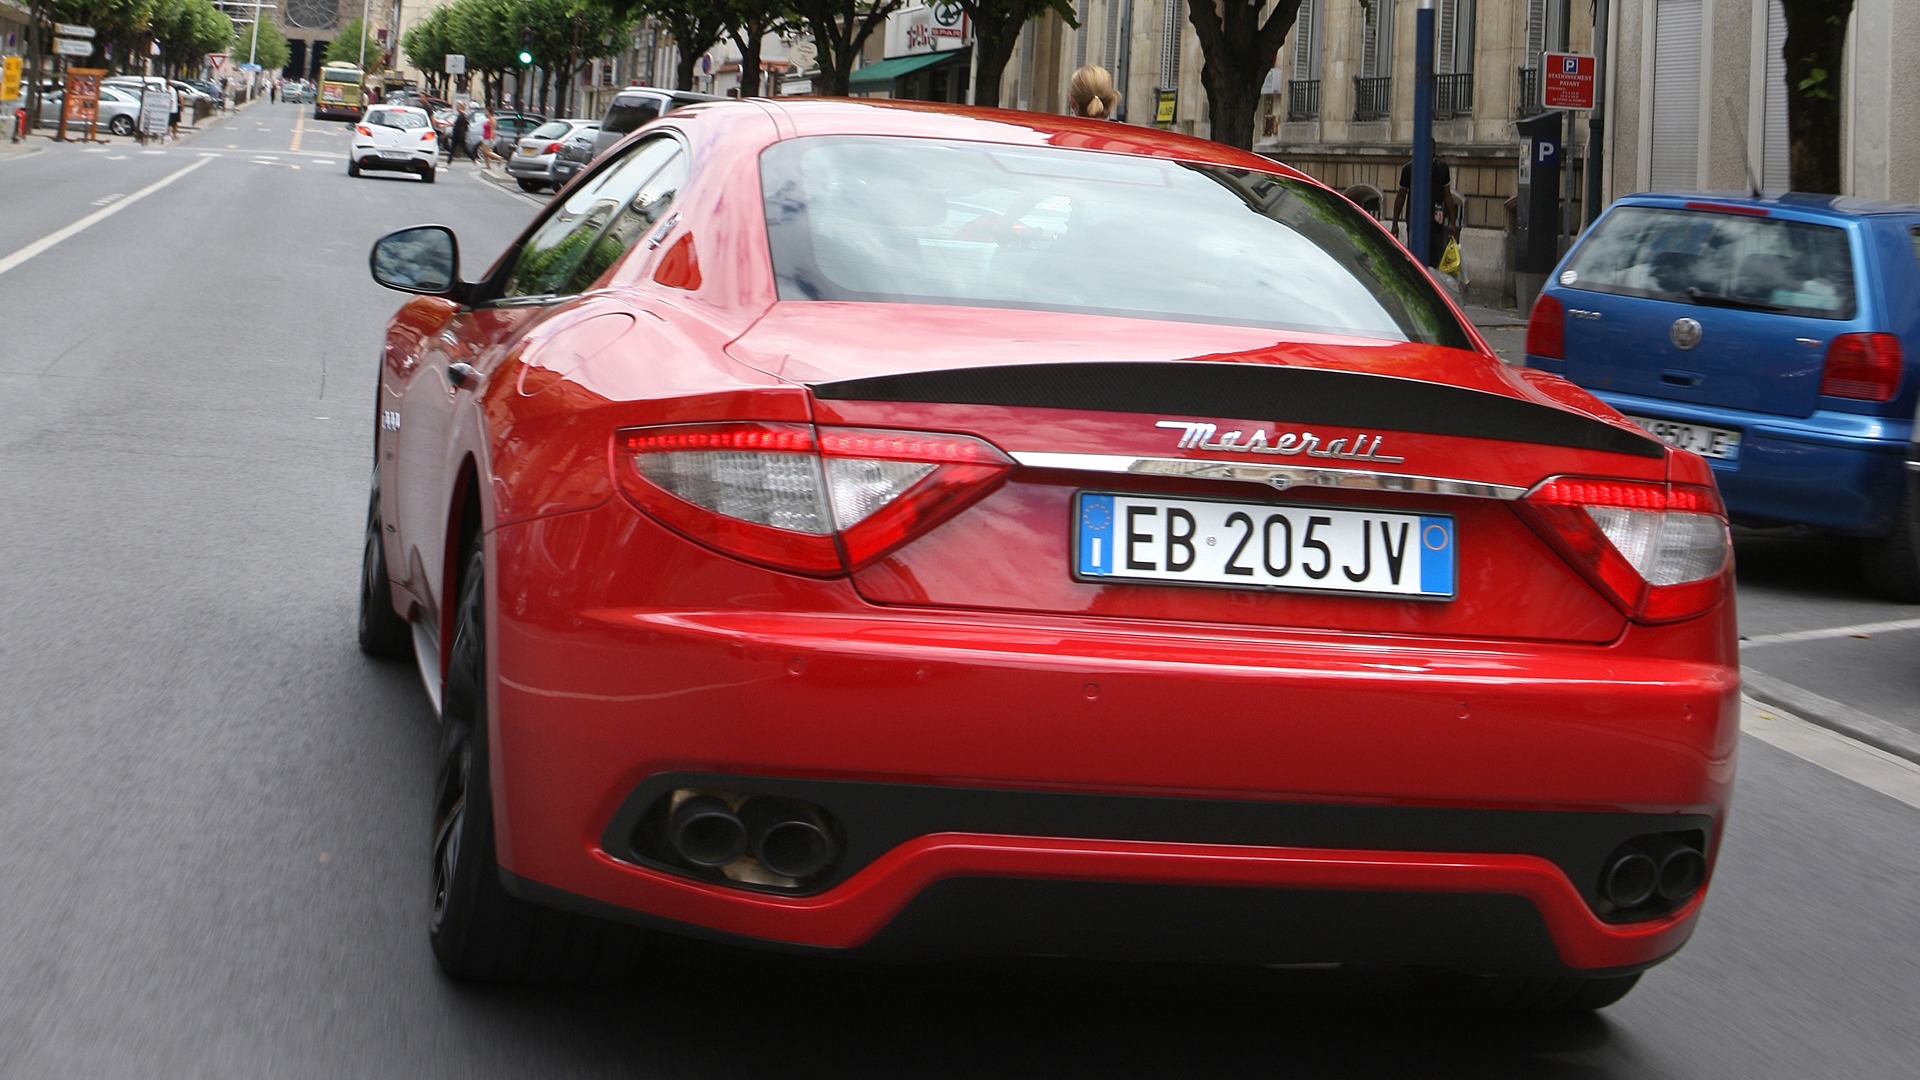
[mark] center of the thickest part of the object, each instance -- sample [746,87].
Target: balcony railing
[1452,96]
[1372,98]
[1303,99]
[1529,101]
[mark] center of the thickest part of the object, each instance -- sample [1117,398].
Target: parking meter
[1538,209]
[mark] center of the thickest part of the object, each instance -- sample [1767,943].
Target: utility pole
[366,9]
[1420,213]
[1596,120]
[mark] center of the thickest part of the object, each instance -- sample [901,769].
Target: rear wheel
[1892,562]
[353,167]
[121,125]
[478,929]
[530,185]
[428,175]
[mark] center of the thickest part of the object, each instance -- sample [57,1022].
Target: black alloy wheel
[382,631]
[479,930]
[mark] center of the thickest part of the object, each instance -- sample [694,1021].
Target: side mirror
[424,259]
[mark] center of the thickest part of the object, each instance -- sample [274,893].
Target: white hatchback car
[396,138]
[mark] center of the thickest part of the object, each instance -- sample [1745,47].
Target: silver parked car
[537,152]
[119,110]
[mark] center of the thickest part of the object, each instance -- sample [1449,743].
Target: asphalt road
[213,809]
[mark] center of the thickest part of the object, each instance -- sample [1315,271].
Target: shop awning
[880,74]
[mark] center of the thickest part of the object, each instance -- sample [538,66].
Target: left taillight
[552,148]
[1660,551]
[814,500]
[364,130]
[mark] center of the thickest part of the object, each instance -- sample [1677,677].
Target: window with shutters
[1776,148]
[1080,35]
[1172,25]
[1373,87]
[1110,56]
[1674,156]
[1025,90]
[1303,89]
[1453,60]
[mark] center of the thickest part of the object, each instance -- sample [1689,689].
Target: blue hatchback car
[1777,337]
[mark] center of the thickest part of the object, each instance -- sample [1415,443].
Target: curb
[1835,716]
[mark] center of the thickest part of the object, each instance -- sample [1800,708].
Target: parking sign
[1567,81]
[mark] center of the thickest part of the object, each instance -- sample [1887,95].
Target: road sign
[217,60]
[1568,81]
[249,67]
[70,30]
[456,64]
[72,47]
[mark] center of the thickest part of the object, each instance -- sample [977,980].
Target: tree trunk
[750,73]
[1239,51]
[1813,53]
[683,70]
[993,50]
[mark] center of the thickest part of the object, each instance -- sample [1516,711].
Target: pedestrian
[273,92]
[1090,93]
[457,137]
[1445,219]
[173,117]
[486,154]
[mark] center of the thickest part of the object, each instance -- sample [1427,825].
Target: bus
[342,93]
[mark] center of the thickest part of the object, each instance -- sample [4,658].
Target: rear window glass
[552,129]
[397,118]
[1719,259]
[629,113]
[928,222]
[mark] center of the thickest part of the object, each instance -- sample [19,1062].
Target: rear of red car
[1013,606]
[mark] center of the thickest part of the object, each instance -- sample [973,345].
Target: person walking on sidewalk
[485,153]
[173,116]
[457,135]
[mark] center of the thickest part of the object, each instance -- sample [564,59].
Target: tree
[996,30]
[120,25]
[427,43]
[186,31]
[840,29]
[345,48]
[567,34]
[268,49]
[488,33]
[695,25]
[1813,53]
[748,24]
[1237,50]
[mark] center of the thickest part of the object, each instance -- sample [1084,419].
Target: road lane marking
[1868,766]
[299,128]
[1856,630]
[93,219]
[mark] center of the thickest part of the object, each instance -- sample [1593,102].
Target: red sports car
[915,531]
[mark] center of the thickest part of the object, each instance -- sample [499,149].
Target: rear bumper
[1244,772]
[1841,472]
[534,168]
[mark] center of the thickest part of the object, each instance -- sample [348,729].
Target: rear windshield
[397,118]
[629,113]
[552,129]
[1719,259]
[927,222]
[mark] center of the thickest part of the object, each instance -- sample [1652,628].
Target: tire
[121,125]
[478,930]
[1561,994]
[530,185]
[428,175]
[383,632]
[1892,562]
[353,167]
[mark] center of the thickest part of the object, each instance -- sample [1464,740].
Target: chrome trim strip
[1276,476]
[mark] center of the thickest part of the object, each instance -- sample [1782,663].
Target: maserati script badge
[1196,435]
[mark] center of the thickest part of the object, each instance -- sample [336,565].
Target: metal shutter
[1776,151]
[1536,32]
[1111,57]
[1080,11]
[1305,26]
[1675,156]
[1170,32]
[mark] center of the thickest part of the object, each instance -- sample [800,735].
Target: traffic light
[526,46]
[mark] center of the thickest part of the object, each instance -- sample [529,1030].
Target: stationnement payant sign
[1567,81]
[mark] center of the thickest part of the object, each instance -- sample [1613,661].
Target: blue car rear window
[1717,258]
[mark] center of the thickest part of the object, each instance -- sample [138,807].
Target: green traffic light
[526,57]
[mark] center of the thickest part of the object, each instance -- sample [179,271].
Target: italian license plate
[1254,545]
[1712,442]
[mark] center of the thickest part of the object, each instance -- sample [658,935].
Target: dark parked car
[508,127]
[535,156]
[636,105]
[576,153]
[1779,338]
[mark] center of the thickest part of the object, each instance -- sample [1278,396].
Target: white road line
[92,219]
[1857,630]
[1894,777]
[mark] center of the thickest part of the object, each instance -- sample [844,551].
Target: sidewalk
[43,138]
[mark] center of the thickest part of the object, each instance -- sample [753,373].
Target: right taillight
[1865,367]
[1547,329]
[822,501]
[1660,551]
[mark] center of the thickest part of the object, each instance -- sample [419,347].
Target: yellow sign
[1163,115]
[9,78]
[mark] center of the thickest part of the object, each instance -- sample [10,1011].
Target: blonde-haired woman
[1090,93]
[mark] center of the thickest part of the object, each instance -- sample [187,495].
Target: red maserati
[919,532]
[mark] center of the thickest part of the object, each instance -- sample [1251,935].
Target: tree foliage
[345,48]
[1813,53]
[186,31]
[269,50]
[996,30]
[1237,49]
[427,43]
[748,24]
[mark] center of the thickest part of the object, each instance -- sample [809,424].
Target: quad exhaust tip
[1652,874]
